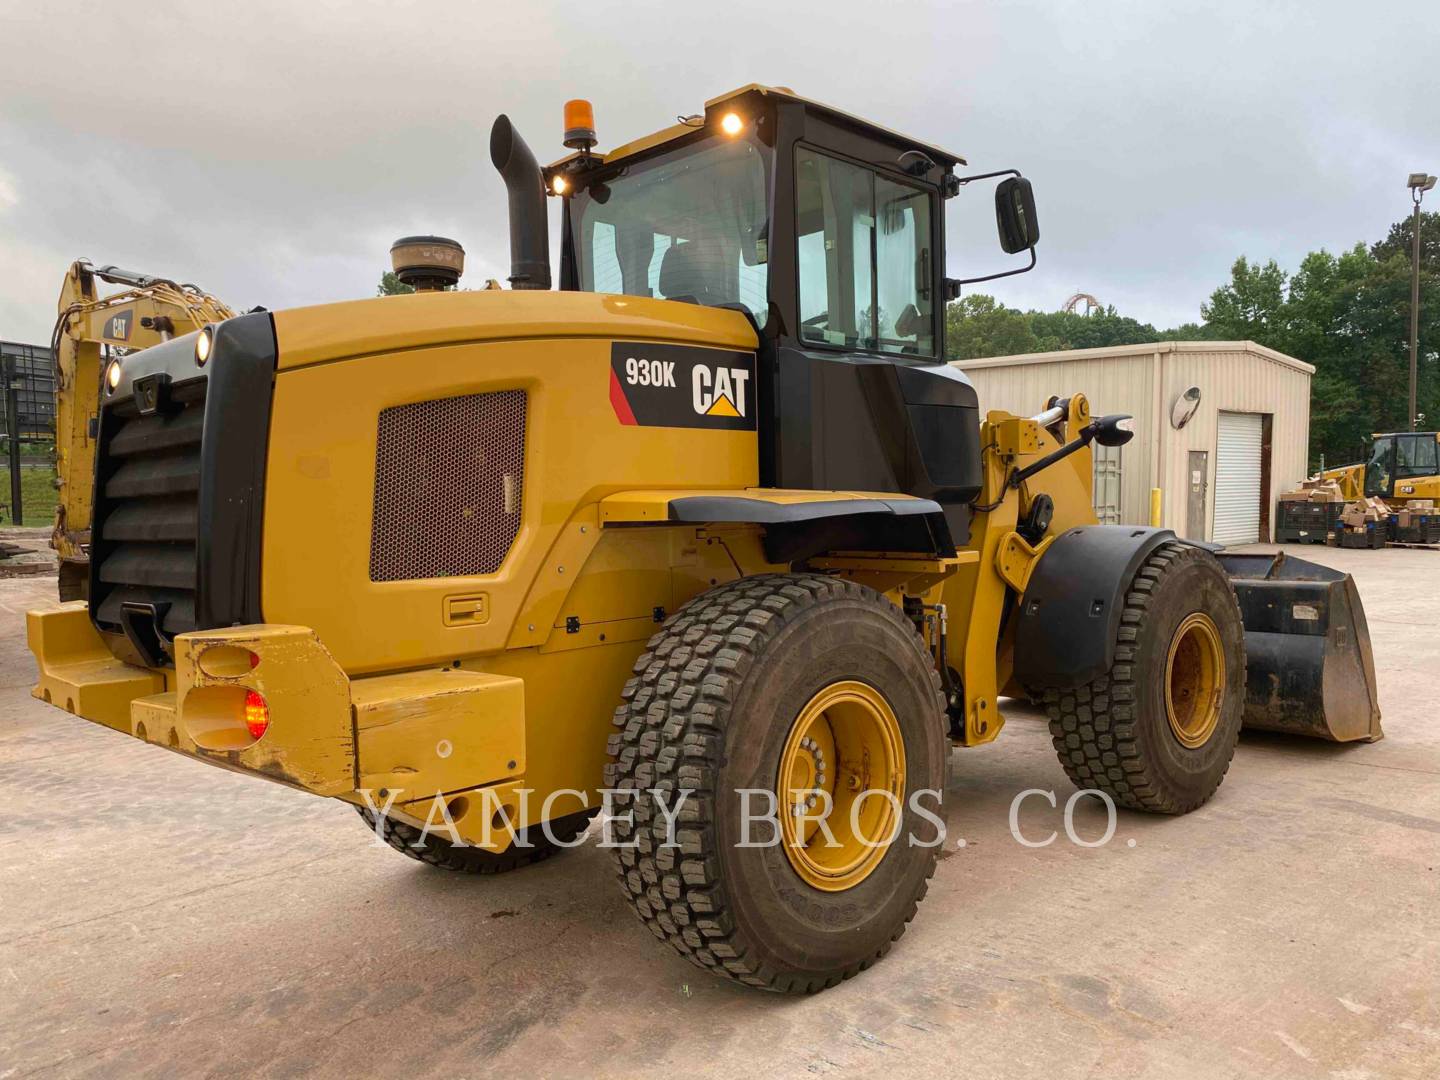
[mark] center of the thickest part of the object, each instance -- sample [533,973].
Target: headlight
[112,376]
[203,343]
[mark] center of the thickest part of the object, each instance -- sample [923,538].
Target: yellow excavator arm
[89,329]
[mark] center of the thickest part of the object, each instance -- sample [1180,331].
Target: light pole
[1419,183]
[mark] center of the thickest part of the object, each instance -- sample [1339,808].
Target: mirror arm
[963,180]
[991,277]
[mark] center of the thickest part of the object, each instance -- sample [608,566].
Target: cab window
[1415,456]
[864,258]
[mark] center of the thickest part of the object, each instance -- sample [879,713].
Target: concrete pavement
[158,918]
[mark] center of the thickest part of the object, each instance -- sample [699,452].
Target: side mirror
[1117,429]
[1015,215]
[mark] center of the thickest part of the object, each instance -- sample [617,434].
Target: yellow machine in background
[1402,466]
[89,329]
[714,519]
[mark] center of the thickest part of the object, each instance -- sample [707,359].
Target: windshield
[688,226]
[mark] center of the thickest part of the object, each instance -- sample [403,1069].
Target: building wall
[1144,381]
[1113,384]
[1235,379]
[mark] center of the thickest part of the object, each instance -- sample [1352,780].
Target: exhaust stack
[529,227]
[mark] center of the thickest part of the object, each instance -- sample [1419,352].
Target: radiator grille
[449,478]
[146,511]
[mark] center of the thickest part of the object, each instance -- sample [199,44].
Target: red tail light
[257,714]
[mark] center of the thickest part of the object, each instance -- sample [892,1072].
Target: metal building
[31,368]
[1222,427]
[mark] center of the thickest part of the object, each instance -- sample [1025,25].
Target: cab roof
[782,93]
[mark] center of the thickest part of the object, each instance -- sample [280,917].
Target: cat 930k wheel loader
[711,518]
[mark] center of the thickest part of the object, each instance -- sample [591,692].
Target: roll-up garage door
[1238,450]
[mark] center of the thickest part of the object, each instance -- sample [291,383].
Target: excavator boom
[89,330]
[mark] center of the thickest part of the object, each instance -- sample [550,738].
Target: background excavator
[90,329]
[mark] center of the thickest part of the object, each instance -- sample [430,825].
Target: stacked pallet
[1364,523]
[1417,522]
[1309,515]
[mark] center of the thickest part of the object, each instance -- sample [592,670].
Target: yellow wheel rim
[841,784]
[1194,680]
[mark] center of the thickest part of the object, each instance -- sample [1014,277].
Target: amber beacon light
[579,124]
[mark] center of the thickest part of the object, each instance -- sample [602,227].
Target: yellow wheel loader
[89,329]
[709,536]
[1402,466]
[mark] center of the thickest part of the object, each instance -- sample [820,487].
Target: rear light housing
[257,715]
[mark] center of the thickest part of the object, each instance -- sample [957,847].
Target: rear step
[1310,670]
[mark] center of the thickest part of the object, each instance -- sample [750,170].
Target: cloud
[271,151]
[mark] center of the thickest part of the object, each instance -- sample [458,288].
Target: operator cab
[1398,457]
[827,233]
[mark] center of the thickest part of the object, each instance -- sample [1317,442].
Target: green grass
[37,494]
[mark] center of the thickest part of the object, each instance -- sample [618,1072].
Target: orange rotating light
[579,124]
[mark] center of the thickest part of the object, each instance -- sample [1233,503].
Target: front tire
[1157,731]
[791,685]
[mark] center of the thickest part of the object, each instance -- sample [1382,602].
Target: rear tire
[720,701]
[438,852]
[1157,731]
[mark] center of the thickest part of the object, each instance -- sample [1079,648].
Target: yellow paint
[1157,507]
[975,596]
[318,521]
[845,742]
[426,732]
[392,325]
[78,673]
[895,575]
[309,743]
[487,816]
[722,407]
[516,673]
[1015,559]
[1194,680]
[85,316]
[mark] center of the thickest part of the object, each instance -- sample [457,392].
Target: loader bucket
[1309,668]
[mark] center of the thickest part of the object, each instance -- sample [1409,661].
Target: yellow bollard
[1157,503]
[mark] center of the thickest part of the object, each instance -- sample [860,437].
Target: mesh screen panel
[449,475]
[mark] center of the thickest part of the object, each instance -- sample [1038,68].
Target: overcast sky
[272,151]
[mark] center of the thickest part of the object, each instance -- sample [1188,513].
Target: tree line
[1347,314]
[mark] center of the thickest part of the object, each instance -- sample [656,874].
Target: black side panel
[852,422]
[232,463]
[1070,614]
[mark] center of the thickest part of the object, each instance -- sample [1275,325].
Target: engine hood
[327,332]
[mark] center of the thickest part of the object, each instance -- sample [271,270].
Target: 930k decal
[681,386]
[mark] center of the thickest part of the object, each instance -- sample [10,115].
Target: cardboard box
[1358,514]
